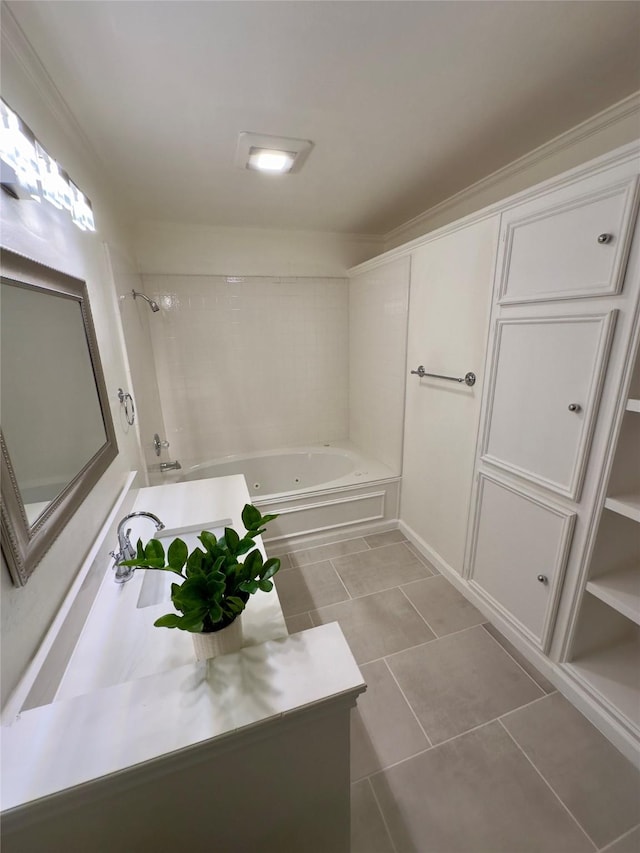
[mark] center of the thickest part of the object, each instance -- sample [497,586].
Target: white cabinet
[571,243]
[522,568]
[565,321]
[543,396]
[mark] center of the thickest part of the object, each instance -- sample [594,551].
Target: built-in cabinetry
[604,651]
[524,489]
[564,326]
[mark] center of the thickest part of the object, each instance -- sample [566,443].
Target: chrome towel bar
[468,379]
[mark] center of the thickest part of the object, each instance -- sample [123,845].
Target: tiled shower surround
[249,364]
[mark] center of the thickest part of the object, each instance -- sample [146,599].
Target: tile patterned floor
[459,745]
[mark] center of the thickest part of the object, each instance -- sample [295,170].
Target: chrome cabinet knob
[543,579]
[605,238]
[574,407]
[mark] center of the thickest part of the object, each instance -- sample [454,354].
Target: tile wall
[252,363]
[378,308]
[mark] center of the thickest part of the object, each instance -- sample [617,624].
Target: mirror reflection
[57,436]
[51,418]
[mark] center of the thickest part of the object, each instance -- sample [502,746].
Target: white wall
[49,236]
[251,364]
[451,281]
[171,248]
[136,316]
[378,305]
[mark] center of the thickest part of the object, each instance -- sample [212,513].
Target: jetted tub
[314,490]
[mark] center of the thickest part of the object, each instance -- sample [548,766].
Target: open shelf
[620,590]
[627,505]
[633,405]
[614,673]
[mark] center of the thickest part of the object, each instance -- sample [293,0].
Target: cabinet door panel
[571,248]
[519,552]
[541,367]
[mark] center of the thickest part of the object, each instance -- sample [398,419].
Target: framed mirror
[56,432]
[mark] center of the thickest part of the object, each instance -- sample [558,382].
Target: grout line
[549,786]
[339,576]
[418,612]
[409,705]
[327,545]
[519,665]
[382,815]
[619,838]
[526,705]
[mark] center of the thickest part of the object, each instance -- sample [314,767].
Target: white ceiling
[406,102]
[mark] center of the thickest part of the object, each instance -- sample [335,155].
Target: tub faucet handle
[159,444]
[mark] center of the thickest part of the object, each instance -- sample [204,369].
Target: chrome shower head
[154,305]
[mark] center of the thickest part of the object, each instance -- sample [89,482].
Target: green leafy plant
[215,585]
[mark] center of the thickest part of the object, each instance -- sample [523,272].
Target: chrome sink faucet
[126,551]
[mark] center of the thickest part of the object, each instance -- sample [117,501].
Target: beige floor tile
[439,602]
[461,681]
[376,625]
[299,622]
[529,668]
[474,794]
[630,843]
[383,727]
[326,552]
[596,783]
[368,832]
[309,587]
[421,557]
[379,568]
[285,561]
[387,538]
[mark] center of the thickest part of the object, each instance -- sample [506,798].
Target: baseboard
[558,674]
[286,544]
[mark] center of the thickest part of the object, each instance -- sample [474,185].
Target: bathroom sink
[156,586]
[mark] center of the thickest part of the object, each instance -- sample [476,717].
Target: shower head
[154,305]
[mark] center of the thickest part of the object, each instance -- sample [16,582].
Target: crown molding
[611,115]
[15,42]
[624,154]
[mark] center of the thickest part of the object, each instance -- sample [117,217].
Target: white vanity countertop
[120,642]
[133,693]
[88,737]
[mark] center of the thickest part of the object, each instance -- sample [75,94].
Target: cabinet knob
[543,579]
[574,407]
[605,238]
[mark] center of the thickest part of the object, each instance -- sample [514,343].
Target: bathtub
[324,492]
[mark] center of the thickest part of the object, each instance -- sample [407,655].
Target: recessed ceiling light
[275,155]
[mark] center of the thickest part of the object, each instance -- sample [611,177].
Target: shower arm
[154,305]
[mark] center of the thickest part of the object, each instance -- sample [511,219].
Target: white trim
[611,115]
[628,153]
[290,509]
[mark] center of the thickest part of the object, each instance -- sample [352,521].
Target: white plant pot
[216,643]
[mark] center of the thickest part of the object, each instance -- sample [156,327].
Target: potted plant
[215,585]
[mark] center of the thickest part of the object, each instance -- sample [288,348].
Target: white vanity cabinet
[564,324]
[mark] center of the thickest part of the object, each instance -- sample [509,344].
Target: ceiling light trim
[249,143]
